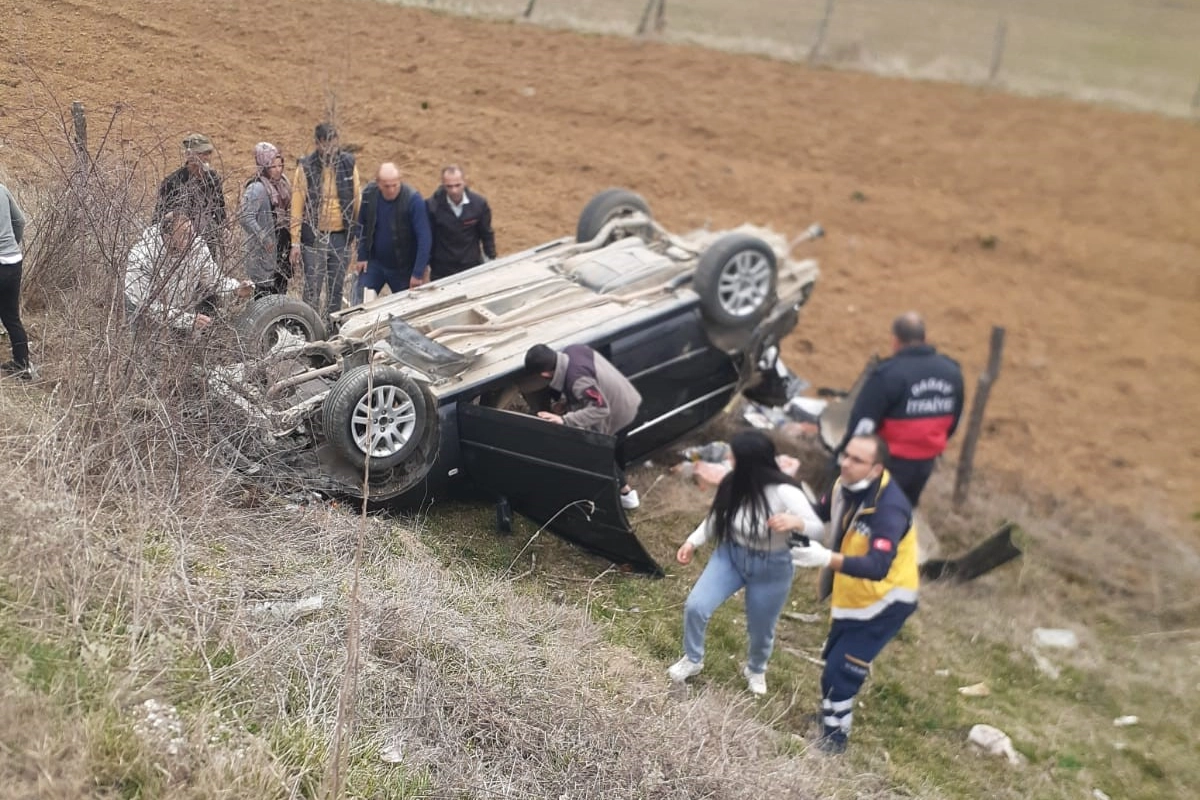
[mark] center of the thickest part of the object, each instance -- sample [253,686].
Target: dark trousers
[911,476]
[10,312]
[851,647]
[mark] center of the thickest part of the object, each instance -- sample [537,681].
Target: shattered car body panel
[395,406]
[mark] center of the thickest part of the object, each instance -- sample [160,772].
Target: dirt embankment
[1074,227]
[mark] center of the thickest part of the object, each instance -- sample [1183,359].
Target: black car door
[564,478]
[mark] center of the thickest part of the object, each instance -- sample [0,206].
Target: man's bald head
[908,329]
[388,180]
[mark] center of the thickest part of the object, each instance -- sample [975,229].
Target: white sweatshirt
[781,497]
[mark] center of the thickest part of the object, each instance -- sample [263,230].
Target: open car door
[564,478]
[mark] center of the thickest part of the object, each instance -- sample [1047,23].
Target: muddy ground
[1075,227]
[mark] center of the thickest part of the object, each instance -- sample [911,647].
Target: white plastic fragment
[1099,795]
[392,754]
[994,742]
[290,611]
[980,689]
[1125,721]
[1055,637]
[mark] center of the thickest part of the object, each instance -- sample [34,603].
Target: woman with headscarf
[265,216]
[756,508]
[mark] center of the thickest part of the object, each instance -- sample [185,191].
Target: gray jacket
[599,398]
[12,228]
[258,222]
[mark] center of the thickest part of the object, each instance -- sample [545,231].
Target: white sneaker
[629,500]
[756,682]
[683,669]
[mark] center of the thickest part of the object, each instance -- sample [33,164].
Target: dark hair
[540,358]
[909,328]
[325,131]
[882,451]
[745,488]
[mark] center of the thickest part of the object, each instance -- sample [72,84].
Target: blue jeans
[767,578]
[325,262]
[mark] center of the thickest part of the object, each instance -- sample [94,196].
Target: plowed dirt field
[1075,227]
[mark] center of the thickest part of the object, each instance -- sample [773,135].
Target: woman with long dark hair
[755,509]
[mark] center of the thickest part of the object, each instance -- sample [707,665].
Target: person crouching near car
[592,394]
[755,509]
[871,575]
[171,278]
[265,216]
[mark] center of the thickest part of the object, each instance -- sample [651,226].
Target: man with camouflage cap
[195,189]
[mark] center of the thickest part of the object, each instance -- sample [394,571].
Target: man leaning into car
[594,396]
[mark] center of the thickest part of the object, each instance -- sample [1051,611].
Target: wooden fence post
[529,9]
[822,30]
[966,459]
[81,146]
[998,44]
[660,17]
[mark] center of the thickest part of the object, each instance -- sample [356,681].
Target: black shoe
[15,370]
[832,745]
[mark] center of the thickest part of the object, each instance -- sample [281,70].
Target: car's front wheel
[375,412]
[736,280]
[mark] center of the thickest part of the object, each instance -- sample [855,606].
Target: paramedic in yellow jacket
[872,561]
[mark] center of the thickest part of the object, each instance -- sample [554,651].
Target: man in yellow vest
[870,572]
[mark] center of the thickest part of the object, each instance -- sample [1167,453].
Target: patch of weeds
[988,242]
[368,777]
[223,657]
[118,760]
[303,750]
[857,197]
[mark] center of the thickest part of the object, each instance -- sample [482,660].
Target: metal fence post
[998,44]
[822,30]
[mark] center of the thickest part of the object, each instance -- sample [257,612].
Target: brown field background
[1090,214]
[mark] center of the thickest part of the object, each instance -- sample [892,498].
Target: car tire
[397,418]
[260,323]
[606,205]
[736,280]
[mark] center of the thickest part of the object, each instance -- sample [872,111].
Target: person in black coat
[462,226]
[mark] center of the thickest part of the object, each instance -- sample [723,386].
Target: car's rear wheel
[606,206]
[276,318]
[736,280]
[375,412]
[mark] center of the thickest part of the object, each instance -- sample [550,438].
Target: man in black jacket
[462,226]
[393,235]
[912,400]
[196,190]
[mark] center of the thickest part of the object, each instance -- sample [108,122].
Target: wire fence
[1136,53]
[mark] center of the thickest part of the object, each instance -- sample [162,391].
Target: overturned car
[423,394]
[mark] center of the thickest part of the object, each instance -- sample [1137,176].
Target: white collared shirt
[457,209]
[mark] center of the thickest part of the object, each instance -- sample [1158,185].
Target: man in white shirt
[171,277]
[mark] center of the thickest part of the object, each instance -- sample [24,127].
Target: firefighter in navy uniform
[913,400]
[870,573]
